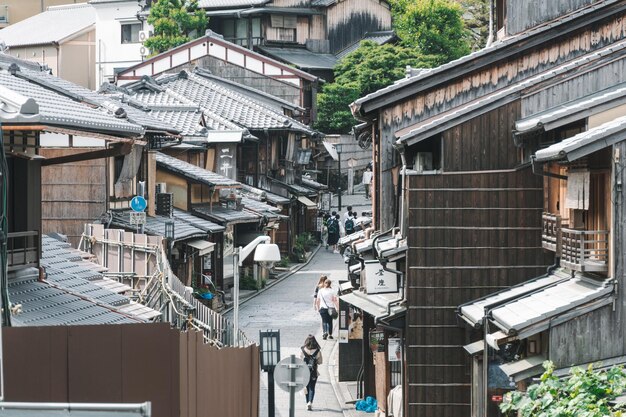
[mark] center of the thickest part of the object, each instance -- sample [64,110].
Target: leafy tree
[434,27]
[368,69]
[175,22]
[584,393]
[476,19]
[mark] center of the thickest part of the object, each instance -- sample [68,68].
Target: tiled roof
[171,107]
[110,102]
[57,24]
[322,3]
[578,109]
[302,57]
[224,215]
[155,225]
[74,292]
[307,182]
[216,4]
[380,38]
[268,196]
[61,108]
[228,104]
[476,60]
[193,172]
[443,121]
[585,143]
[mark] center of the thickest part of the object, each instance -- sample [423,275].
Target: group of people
[324,301]
[334,227]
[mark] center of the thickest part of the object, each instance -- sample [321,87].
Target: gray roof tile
[224,215]
[229,104]
[226,4]
[185,226]
[302,57]
[193,172]
[63,108]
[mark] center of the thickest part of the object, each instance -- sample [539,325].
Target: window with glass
[130,32]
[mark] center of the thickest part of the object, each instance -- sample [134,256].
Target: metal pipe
[143,408]
[491,23]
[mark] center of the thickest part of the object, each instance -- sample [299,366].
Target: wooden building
[467,199]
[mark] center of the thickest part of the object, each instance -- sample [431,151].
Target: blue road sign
[138,203]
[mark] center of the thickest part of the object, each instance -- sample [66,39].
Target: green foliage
[302,245]
[247,282]
[584,393]
[283,263]
[175,22]
[476,19]
[368,69]
[433,27]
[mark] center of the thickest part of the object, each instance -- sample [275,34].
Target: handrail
[585,250]
[23,250]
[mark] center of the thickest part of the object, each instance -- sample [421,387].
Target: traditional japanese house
[274,147]
[449,174]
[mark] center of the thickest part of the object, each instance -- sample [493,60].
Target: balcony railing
[23,250]
[585,250]
[551,233]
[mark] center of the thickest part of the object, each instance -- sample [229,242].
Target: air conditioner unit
[423,161]
[160,187]
[144,35]
[144,51]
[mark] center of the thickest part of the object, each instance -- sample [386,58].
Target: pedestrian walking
[325,230]
[327,305]
[367,181]
[333,232]
[347,214]
[312,356]
[349,224]
[320,285]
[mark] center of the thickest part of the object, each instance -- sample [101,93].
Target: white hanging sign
[377,280]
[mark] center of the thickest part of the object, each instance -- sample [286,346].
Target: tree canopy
[431,32]
[175,22]
[583,393]
[433,27]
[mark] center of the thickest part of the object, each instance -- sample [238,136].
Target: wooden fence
[176,371]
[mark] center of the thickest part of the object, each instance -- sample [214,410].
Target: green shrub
[247,282]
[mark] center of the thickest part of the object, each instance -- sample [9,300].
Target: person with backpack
[349,224]
[333,232]
[312,356]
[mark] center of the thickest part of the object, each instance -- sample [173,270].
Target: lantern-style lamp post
[270,356]
[339,149]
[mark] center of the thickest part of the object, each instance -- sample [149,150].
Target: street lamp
[270,356]
[266,254]
[338,148]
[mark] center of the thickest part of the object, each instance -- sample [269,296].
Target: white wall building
[118,42]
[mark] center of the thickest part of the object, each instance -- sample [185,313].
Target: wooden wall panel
[72,194]
[349,20]
[470,234]
[477,145]
[522,15]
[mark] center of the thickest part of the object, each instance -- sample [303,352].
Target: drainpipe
[491,22]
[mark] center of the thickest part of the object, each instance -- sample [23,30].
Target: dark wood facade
[473,229]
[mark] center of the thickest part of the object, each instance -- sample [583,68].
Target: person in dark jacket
[311,353]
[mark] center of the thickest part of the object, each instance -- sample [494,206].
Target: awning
[493,340]
[474,312]
[393,247]
[374,304]
[531,308]
[524,368]
[204,247]
[330,148]
[307,202]
[364,246]
[585,143]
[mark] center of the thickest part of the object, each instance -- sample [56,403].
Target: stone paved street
[288,307]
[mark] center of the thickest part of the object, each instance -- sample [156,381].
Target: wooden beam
[124,149]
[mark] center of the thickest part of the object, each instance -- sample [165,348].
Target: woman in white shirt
[326,299]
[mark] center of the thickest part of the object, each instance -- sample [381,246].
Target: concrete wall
[110,52]
[19,10]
